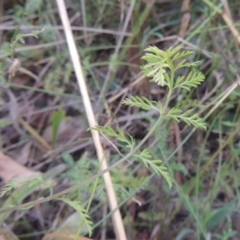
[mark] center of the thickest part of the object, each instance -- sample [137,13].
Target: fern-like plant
[161,67]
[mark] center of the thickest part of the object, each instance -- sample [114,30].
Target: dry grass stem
[117,219]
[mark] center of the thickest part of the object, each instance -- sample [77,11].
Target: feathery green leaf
[156,71]
[171,51]
[81,211]
[19,181]
[155,165]
[157,61]
[191,120]
[140,102]
[156,50]
[193,79]
[181,54]
[182,64]
[118,134]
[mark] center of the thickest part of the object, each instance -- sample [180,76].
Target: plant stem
[167,101]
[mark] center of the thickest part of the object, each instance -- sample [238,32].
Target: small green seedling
[163,69]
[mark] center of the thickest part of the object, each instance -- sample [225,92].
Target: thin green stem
[167,101]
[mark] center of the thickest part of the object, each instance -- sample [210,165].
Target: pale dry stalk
[116,216]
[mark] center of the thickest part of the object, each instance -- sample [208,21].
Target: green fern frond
[82,212]
[183,64]
[17,182]
[182,54]
[172,51]
[186,117]
[118,134]
[173,112]
[186,103]
[132,141]
[157,61]
[151,58]
[141,102]
[193,79]
[161,170]
[194,120]
[126,185]
[145,154]
[155,50]
[10,186]
[155,165]
[156,71]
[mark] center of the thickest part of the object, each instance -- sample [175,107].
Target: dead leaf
[21,79]
[23,157]
[10,168]
[15,64]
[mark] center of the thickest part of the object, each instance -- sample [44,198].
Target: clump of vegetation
[162,67]
[175,174]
